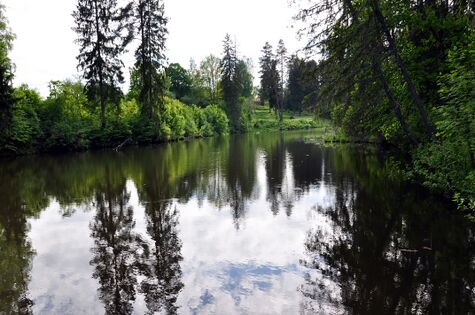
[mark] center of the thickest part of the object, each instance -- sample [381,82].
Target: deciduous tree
[6,77]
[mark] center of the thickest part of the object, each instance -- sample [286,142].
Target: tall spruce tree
[274,90]
[229,81]
[265,63]
[281,55]
[103,30]
[6,77]
[270,78]
[150,55]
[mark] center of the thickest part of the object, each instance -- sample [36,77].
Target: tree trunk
[403,68]
[394,103]
[101,80]
[103,103]
[378,71]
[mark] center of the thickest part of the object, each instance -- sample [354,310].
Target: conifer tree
[274,90]
[265,63]
[150,55]
[270,78]
[230,86]
[103,31]
[281,54]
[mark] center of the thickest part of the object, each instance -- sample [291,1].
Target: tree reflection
[16,255]
[241,175]
[306,171]
[398,253]
[115,246]
[161,260]
[19,201]
[275,168]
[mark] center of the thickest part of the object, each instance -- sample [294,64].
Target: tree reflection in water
[160,264]
[241,175]
[121,255]
[16,255]
[398,253]
[19,200]
[115,247]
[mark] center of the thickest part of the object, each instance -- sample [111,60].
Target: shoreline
[130,142]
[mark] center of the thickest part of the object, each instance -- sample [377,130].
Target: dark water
[257,224]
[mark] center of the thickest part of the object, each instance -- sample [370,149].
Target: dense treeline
[164,102]
[402,71]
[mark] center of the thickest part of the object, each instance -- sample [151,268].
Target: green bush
[25,128]
[215,120]
[448,164]
[173,117]
[67,120]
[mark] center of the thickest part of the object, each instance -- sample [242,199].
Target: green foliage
[216,122]
[264,119]
[246,115]
[6,78]
[210,73]
[303,86]
[150,56]
[174,118]
[66,117]
[449,163]
[178,121]
[67,121]
[104,30]
[182,121]
[245,78]
[25,127]
[180,81]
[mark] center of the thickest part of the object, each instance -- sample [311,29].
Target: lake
[270,223]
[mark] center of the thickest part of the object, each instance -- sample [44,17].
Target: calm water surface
[255,224]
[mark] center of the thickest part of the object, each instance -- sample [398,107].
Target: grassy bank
[265,119]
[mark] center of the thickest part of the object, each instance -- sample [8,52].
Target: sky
[44,48]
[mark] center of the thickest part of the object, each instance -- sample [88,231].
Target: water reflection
[161,258]
[16,252]
[269,224]
[115,246]
[398,253]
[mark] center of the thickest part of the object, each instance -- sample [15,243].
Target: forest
[397,73]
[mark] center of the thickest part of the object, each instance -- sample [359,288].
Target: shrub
[66,121]
[216,120]
[25,128]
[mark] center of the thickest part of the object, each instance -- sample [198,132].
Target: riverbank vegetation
[402,72]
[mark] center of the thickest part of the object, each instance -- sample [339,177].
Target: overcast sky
[44,49]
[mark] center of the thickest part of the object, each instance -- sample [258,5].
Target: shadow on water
[378,246]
